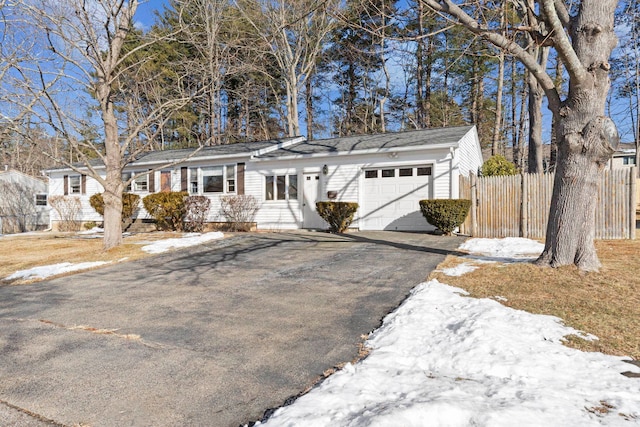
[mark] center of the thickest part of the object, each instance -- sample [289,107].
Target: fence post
[474,205]
[632,202]
[524,206]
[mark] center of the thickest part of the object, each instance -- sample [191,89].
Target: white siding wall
[469,153]
[344,176]
[274,214]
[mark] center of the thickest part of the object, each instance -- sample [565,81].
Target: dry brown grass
[21,252]
[605,304]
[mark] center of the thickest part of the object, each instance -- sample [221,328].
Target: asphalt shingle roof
[390,140]
[216,150]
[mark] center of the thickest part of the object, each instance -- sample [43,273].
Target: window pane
[74,184]
[388,173]
[141,182]
[41,200]
[125,177]
[405,172]
[371,174]
[424,171]
[268,194]
[193,181]
[280,182]
[231,178]
[293,187]
[212,184]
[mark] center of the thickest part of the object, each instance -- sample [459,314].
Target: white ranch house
[385,174]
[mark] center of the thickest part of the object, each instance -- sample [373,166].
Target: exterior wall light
[325,170]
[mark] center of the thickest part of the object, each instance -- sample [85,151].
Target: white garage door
[391,198]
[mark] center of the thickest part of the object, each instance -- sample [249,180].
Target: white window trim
[287,186]
[200,172]
[70,186]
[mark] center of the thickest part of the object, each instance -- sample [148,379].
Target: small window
[193,181]
[293,187]
[371,174]
[281,187]
[269,180]
[74,184]
[41,200]
[126,176]
[424,171]
[231,179]
[388,173]
[141,182]
[629,160]
[405,172]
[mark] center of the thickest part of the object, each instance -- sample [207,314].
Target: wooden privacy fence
[518,205]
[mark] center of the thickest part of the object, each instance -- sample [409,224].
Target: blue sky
[145,16]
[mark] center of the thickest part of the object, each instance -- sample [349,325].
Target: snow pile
[459,270]
[94,230]
[52,270]
[190,239]
[507,249]
[443,359]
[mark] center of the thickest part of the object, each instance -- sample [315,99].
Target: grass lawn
[605,304]
[24,251]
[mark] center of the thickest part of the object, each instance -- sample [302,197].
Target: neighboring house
[624,157]
[23,202]
[385,174]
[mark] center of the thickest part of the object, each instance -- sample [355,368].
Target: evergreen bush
[445,214]
[167,208]
[338,215]
[129,204]
[498,165]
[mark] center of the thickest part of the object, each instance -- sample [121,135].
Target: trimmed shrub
[445,214]
[498,165]
[129,204]
[196,212]
[167,208]
[240,211]
[338,215]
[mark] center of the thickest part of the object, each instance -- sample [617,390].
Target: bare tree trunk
[536,94]
[586,139]
[309,107]
[495,141]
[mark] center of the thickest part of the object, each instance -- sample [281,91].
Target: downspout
[451,153]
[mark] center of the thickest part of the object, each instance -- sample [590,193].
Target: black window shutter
[66,185]
[240,184]
[152,182]
[183,179]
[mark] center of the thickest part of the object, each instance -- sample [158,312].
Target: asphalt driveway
[206,336]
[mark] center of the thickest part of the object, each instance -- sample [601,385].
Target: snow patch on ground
[52,270]
[459,269]
[189,239]
[94,230]
[444,359]
[506,247]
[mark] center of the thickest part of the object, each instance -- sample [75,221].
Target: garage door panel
[391,203]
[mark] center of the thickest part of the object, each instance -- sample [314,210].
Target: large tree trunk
[586,141]
[113,184]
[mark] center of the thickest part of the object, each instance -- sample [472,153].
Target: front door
[311,191]
[165,181]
